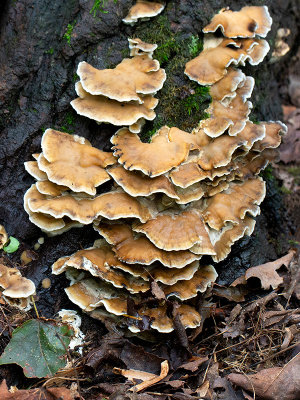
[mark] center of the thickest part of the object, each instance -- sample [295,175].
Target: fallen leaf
[290,332]
[117,348]
[148,379]
[133,374]
[12,246]
[267,274]
[194,364]
[203,389]
[273,383]
[231,293]
[38,347]
[290,147]
[224,390]
[55,393]
[280,317]
[157,291]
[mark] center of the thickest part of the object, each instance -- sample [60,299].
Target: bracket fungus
[146,157]
[123,95]
[247,22]
[69,161]
[3,237]
[173,202]
[15,289]
[143,10]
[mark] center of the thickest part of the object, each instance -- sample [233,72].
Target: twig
[34,306]
[275,355]
[71,361]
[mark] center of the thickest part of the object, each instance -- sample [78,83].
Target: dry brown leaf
[163,373]
[267,274]
[147,378]
[55,393]
[231,293]
[157,291]
[290,148]
[133,374]
[194,364]
[203,389]
[273,383]
[278,318]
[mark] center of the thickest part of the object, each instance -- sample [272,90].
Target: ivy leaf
[38,347]
[12,246]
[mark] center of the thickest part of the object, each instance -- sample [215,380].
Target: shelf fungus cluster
[15,289]
[174,200]
[124,95]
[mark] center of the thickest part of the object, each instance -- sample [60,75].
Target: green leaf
[38,347]
[12,246]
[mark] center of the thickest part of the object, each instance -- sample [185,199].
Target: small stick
[275,355]
[34,306]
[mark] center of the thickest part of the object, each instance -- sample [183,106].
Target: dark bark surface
[41,44]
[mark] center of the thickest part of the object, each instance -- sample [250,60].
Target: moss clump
[98,6]
[68,123]
[68,34]
[267,174]
[182,102]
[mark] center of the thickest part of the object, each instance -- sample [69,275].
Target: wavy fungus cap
[246,23]
[138,184]
[112,205]
[147,157]
[98,261]
[139,249]
[210,66]
[127,81]
[141,10]
[103,109]
[170,231]
[234,203]
[3,236]
[69,161]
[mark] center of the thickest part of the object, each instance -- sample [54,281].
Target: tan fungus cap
[14,285]
[70,161]
[143,9]
[233,204]
[189,173]
[103,109]
[210,66]
[272,138]
[227,86]
[112,205]
[247,22]
[33,169]
[189,317]
[139,249]
[232,116]
[90,293]
[98,261]
[133,76]
[137,184]
[187,289]
[147,157]
[138,47]
[50,188]
[3,237]
[229,236]
[170,231]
